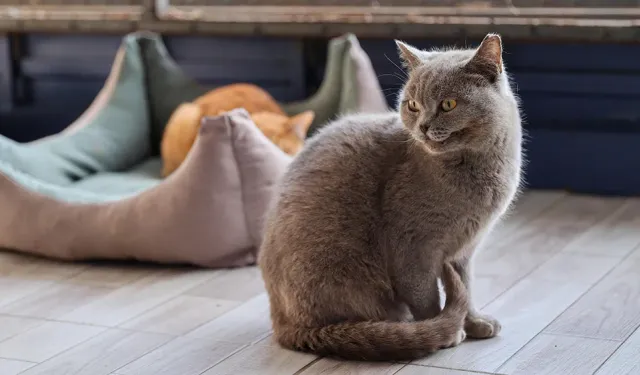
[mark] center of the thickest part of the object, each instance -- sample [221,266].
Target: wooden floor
[562,274]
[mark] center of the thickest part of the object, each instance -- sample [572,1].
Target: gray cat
[377,207]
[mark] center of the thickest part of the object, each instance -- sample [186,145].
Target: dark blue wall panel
[581,103]
[605,163]
[59,75]
[560,85]
[274,64]
[56,78]
[6,75]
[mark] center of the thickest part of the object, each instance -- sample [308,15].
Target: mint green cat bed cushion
[94,191]
[350,85]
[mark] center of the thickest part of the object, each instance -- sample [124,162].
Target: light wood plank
[524,311]
[54,301]
[13,367]
[555,227]
[541,260]
[559,355]
[113,276]
[10,261]
[245,324]
[561,267]
[45,269]
[101,355]
[46,340]
[565,267]
[424,370]
[327,366]
[485,289]
[13,289]
[532,204]
[180,315]
[611,310]
[21,265]
[181,356]
[616,236]
[11,326]
[262,359]
[236,285]
[509,256]
[22,275]
[488,285]
[625,361]
[135,299]
[529,207]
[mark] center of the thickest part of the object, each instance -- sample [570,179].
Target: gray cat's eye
[448,104]
[413,106]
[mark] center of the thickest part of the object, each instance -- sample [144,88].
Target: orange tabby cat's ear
[301,122]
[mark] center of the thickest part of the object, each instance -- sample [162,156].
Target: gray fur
[374,206]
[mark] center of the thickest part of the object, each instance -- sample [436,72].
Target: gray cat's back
[352,139]
[329,201]
[350,153]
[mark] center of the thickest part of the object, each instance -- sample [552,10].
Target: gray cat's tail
[385,340]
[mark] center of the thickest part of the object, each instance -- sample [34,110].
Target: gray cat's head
[457,99]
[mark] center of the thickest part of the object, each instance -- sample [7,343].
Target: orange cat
[288,133]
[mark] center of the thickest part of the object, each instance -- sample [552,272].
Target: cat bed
[94,190]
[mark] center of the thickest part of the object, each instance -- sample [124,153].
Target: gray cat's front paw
[481,326]
[457,339]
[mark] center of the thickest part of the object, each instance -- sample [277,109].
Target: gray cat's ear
[488,58]
[409,55]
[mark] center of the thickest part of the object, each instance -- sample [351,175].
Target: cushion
[350,85]
[208,213]
[94,190]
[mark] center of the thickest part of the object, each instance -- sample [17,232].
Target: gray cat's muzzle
[438,135]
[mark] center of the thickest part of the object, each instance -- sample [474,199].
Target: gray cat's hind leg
[476,325]
[419,290]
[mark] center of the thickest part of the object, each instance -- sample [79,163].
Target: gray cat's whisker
[395,75]
[404,74]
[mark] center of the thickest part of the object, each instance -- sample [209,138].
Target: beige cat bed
[94,191]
